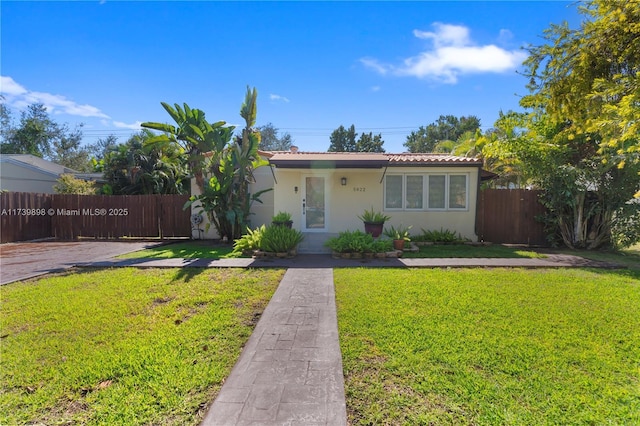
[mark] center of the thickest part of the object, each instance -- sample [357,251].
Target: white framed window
[414,193]
[428,191]
[393,190]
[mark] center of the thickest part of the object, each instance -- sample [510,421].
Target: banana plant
[222,166]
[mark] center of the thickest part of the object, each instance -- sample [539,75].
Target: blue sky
[386,67]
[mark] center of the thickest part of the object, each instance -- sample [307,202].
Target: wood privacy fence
[509,216]
[27,216]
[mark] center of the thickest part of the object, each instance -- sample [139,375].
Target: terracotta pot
[398,244]
[375,229]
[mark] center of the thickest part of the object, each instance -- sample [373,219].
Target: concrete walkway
[326,261]
[290,371]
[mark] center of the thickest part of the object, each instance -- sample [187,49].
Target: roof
[363,160]
[33,162]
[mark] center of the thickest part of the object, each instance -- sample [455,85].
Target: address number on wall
[359,189]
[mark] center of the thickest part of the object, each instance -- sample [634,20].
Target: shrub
[357,242]
[280,239]
[249,241]
[441,236]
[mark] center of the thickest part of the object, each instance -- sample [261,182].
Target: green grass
[201,249]
[490,347]
[467,251]
[124,346]
[629,258]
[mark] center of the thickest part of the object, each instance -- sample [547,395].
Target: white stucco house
[28,173]
[326,191]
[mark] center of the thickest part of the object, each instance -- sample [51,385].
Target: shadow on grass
[470,251]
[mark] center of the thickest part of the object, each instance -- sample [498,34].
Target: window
[393,192]
[414,192]
[458,192]
[437,191]
[440,191]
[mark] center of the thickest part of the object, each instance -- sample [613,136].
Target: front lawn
[490,347]
[199,249]
[471,251]
[124,346]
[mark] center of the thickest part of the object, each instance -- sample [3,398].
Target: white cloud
[375,89]
[278,98]
[18,96]
[133,126]
[452,54]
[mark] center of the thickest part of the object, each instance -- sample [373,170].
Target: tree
[37,134]
[271,141]
[589,78]
[573,141]
[69,184]
[136,168]
[446,128]
[222,166]
[370,143]
[343,140]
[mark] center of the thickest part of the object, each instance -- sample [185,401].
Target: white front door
[314,204]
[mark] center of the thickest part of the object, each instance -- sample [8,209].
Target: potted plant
[282,219]
[399,235]
[373,222]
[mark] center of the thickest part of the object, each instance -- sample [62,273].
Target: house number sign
[359,189]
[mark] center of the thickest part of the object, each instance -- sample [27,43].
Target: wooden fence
[509,216]
[66,217]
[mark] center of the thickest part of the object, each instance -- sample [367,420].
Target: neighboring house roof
[31,162]
[363,160]
[36,163]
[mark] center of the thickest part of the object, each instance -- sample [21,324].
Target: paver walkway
[290,371]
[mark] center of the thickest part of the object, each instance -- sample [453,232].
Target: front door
[314,216]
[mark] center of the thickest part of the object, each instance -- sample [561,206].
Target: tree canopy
[344,140]
[446,128]
[578,139]
[271,140]
[37,134]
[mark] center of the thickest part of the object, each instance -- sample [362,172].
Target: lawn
[490,347]
[124,346]
[199,249]
[470,251]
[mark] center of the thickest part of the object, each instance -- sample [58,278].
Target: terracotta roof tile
[353,158]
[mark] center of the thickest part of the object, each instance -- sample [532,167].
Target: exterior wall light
[343,181]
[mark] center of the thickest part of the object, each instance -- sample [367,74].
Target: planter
[398,244]
[373,228]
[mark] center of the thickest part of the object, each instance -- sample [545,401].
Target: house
[326,191]
[28,173]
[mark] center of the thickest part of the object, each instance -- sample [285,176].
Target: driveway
[19,261]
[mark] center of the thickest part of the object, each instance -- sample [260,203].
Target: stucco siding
[18,178]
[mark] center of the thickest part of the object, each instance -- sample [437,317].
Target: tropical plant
[399,233]
[135,167]
[439,236]
[357,242]
[281,217]
[280,239]
[250,241]
[222,167]
[371,216]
